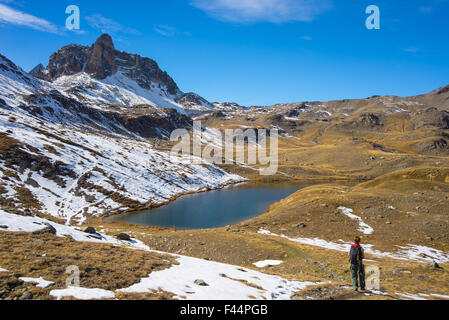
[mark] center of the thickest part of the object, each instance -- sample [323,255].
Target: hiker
[356,256]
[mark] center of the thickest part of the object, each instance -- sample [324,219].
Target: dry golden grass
[240,245]
[26,198]
[101,265]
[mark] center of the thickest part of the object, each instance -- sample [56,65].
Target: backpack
[354,255]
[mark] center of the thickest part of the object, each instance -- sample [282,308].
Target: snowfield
[221,282]
[116,90]
[77,162]
[121,165]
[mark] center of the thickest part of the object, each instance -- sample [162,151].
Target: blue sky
[254,52]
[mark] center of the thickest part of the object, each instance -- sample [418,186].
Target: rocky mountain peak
[102,60]
[37,69]
[104,41]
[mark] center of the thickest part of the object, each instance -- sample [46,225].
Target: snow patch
[83,293]
[316,242]
[16,223]
[442,296]
[423,296]
[423,254]
[409,252]
[268,263]
[40,282]
[411,296]
[363,227]
[222,282]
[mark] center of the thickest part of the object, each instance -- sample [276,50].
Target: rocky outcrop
[296,112]
[432,117]
[66,61]
[442,90]
[434,147]
[37,70]
[7,66]
[192,101]
[154,125]
[370,120]
[102,60]
[366,121]
[227,105]
[47,229]
[144,71]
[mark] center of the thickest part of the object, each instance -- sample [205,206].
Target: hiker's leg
[362,276]
[354,276]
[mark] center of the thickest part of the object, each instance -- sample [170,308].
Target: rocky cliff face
[192,101]
[102,60]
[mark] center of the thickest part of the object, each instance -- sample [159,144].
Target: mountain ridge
[67,159]
[102,61]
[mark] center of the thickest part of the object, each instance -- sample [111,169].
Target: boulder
[201,283]
[47,229]
[124,237]
[434,265]
[90,230]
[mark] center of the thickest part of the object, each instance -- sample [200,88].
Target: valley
[87,138]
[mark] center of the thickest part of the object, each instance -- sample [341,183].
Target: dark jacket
[356,256]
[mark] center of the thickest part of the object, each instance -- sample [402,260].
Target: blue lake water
[215,209]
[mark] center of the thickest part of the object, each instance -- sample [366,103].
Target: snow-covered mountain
[104,77]
[77,146]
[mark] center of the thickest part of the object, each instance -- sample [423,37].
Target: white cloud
[168,31]
[165,30]
[9,15]
[275,11]
[411,49]
[106,25]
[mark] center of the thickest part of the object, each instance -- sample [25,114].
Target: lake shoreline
[272,193]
